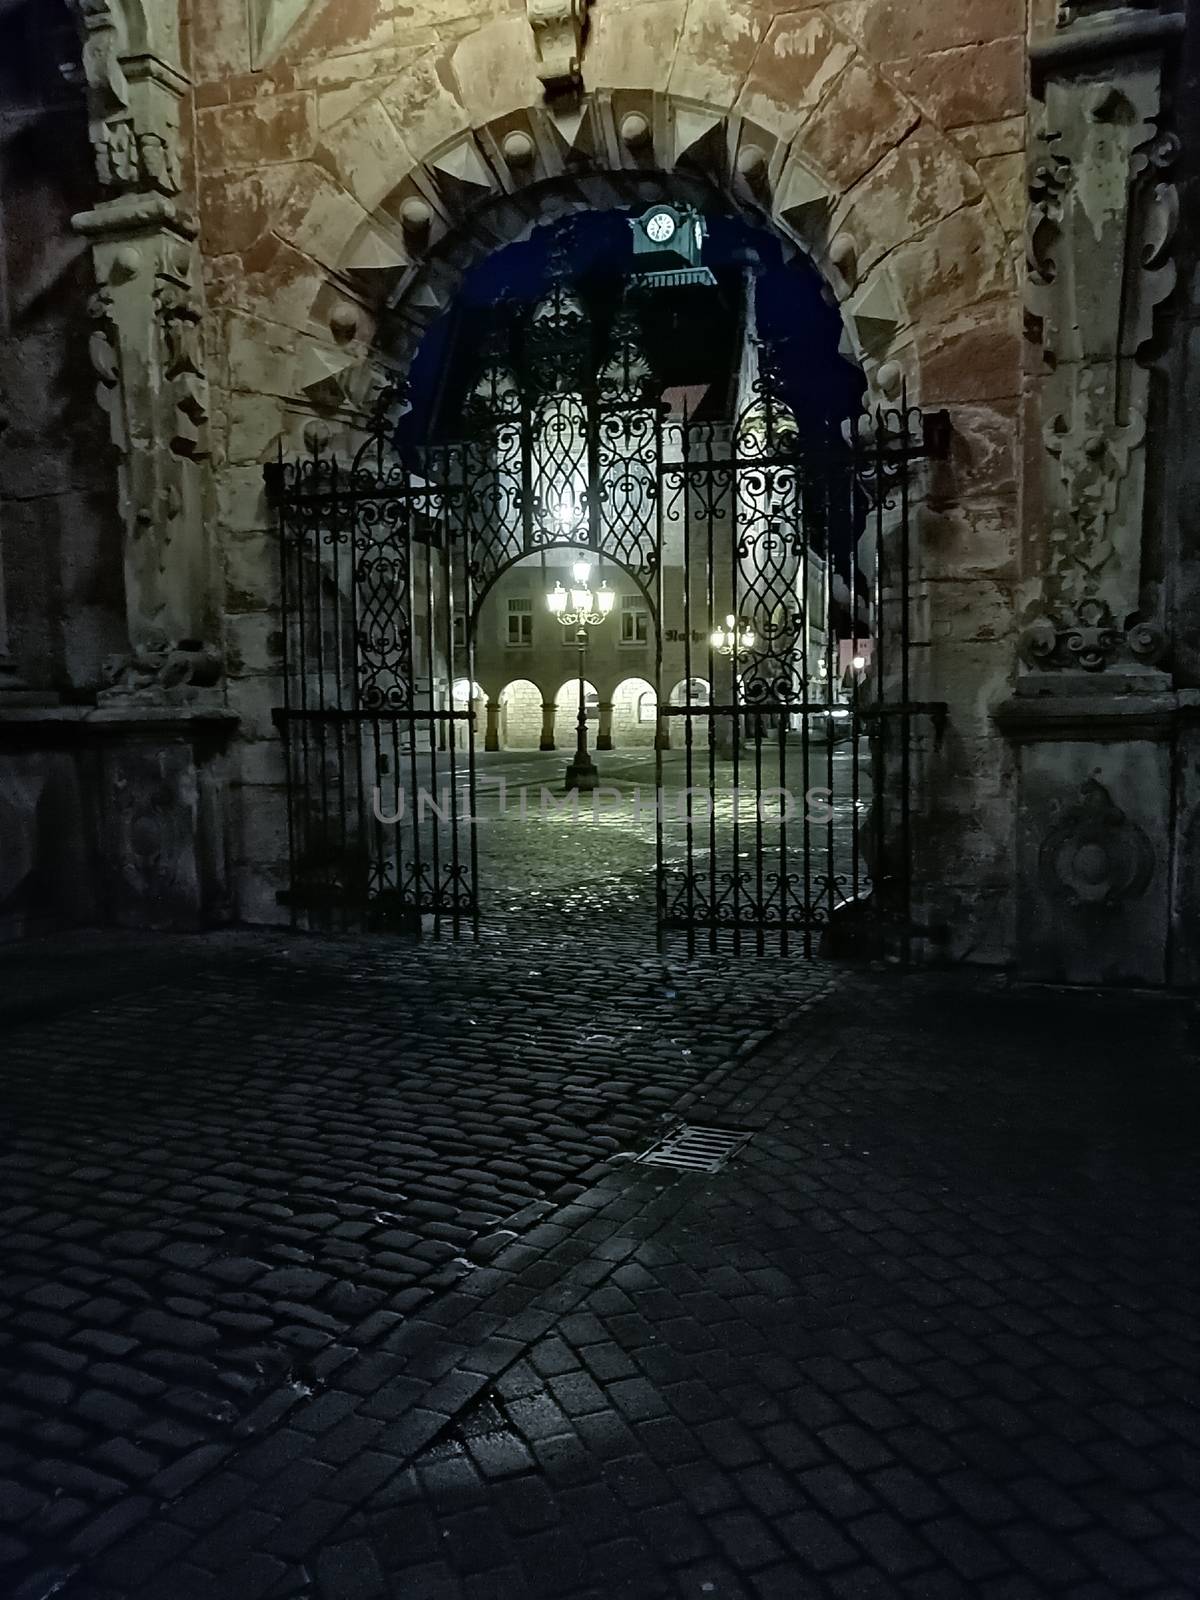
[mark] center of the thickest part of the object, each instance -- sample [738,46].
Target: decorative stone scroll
[1096,856]
[1102,219]
[147,345]
[559,27]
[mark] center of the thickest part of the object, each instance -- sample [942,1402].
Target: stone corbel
[1102,219]
[106,43]
[558,27]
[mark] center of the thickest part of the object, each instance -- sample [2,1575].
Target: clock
[670,242]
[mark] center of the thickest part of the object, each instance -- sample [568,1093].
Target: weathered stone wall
[1177,505]
[1100,715]
[112,792]
[60,562]
[354,159]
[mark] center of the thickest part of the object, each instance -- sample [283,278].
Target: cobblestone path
[326,1274]
[230,1165]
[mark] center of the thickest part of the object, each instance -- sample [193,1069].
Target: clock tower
[668,245]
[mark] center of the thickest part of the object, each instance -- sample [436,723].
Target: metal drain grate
[691,1149]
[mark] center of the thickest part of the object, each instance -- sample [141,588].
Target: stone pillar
[604,734]
[142,776]
[1092,718]
[147,347]
[548,720]
[491,739]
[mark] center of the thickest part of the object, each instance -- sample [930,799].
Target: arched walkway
[701,695]
[566,713]
[470,696]
[635,714]
[520,715]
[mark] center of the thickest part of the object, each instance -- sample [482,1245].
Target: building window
[635,620]
[520,624]
[647,707]
[460,631]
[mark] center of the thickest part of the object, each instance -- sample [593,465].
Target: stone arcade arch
[566,709]
[634,714]
[520,720]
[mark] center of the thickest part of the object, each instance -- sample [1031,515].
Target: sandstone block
[861,119]
[719,43]
[257,132]
[800,59]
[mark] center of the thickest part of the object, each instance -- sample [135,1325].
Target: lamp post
[736,638]
[581,607]
[734,641]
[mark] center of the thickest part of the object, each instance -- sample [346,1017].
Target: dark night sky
[695,328]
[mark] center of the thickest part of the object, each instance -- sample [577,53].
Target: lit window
[520,624]
[635,620]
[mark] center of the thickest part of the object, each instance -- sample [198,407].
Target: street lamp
[581,607]
[736,638]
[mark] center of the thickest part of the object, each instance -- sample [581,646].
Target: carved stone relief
[181,320]
[103,349]
[147,343]
[129,159]
[558,31]
[158,671]
[1096,856]
[1102,219]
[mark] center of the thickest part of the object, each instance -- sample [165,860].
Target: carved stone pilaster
[1102,218]
[558,27]
[147,344]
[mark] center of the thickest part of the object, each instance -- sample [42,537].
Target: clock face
[661,227]
[699,227]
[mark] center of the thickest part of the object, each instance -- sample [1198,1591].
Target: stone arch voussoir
[450,163]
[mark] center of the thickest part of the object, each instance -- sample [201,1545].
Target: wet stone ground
[325,1274]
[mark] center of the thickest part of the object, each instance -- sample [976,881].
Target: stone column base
[116,816]
[1094,808]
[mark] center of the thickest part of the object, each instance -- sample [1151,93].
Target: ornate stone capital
[558,27]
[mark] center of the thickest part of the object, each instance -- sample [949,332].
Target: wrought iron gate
[780,558]
[794,550]
[380,749]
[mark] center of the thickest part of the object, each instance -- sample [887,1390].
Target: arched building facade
[286,196]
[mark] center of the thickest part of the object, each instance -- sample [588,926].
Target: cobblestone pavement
[325,1274]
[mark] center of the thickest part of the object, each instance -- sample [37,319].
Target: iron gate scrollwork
[783,552]
[797,719]
[380,737]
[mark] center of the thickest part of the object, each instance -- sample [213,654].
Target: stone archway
[827,130]
[796,125]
